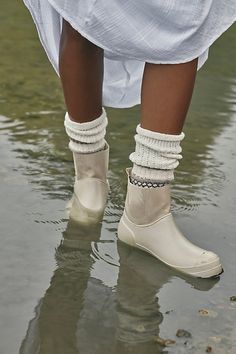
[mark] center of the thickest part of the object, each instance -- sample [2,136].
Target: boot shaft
[92,165]
[145,205]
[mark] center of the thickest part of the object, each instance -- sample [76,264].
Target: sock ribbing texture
[156,155]
[86,137]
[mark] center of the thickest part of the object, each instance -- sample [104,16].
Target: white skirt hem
[118,99]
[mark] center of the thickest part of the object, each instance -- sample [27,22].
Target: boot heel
[125,234]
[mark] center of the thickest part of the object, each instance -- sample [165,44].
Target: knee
[70,35]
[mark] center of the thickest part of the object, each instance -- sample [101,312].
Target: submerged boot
[148,224]
[91,186]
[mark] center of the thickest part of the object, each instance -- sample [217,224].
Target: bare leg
[166,94]
[81,72]
[147,220]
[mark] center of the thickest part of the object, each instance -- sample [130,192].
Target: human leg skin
[81,73]
[166,94]
[147,222]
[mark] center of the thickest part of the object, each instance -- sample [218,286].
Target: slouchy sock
[86,137]
[155,157]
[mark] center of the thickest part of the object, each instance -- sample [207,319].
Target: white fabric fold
[133,32]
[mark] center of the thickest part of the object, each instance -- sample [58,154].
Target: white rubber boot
[91,186]
[148,224]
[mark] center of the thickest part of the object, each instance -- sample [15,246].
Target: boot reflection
[79,313]
[140,279]
[53,330]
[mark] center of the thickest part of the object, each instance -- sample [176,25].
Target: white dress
[133,32]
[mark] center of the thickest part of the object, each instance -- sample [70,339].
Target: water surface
[69,289]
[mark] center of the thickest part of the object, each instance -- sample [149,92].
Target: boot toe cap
[208,265]
[208,257]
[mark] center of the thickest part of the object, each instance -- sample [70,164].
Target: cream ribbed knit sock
[155,158]
[86,137]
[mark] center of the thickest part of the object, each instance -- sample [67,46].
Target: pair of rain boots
[147,222]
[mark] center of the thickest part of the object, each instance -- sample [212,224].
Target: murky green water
[67,289]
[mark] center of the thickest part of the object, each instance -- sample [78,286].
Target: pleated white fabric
[133,32]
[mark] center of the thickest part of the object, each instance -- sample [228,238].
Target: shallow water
[68,289]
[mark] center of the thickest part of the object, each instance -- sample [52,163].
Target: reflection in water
[81,314]
[53,330]
[95,303]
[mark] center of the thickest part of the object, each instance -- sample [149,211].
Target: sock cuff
[82,148]
[86,137]
[69,123]
[166,147]
[156,154]
[159,136]
[147,158]
[142,173]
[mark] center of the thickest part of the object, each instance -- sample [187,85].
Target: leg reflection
[81,314]
[54,328]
